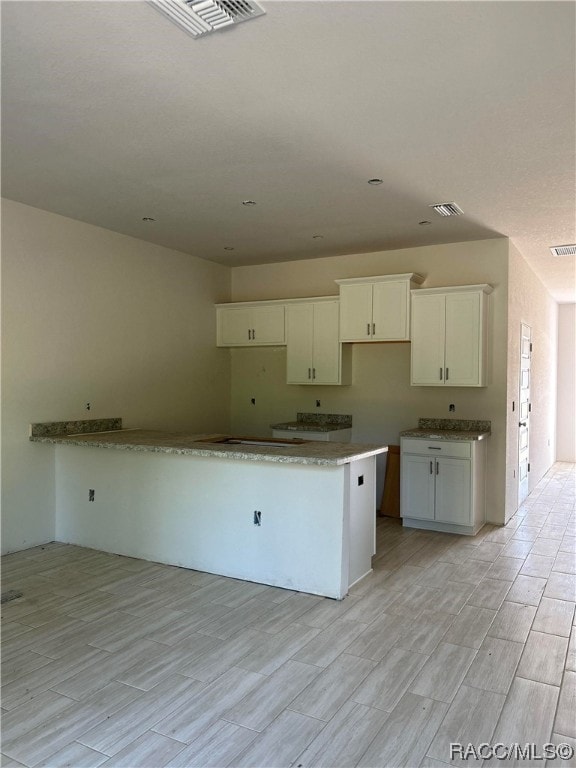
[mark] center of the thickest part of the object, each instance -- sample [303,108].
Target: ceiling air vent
[200,17]
[447,209]
[563,250]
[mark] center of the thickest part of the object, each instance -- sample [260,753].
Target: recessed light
[424,223]
[228,248]
[447,209]
[148,218]
[248,202]
[563,250]
[375,182]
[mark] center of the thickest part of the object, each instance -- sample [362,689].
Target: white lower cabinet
[443,484]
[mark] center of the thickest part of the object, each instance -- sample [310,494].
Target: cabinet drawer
[456,449]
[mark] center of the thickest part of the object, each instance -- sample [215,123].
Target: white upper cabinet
[449,336]
[250,324]
[314,353]
[376,308]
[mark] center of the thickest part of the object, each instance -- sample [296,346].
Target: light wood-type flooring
[113,661]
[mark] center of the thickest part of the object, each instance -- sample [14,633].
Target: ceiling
[111,114]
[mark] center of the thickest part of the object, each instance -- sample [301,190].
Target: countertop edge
[446,434]
[203,451]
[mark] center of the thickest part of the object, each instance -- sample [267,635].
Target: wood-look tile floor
[108,660]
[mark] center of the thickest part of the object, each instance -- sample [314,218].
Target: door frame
[524,410]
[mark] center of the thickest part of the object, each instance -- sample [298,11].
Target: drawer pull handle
[437,468]
[440,374]
[434,448]
[368,329]
[431,467]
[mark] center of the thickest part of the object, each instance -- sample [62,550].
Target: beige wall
[531,304]
[380,399]
[566,404]
[92,316]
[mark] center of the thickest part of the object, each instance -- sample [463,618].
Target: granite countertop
[316,422]
[141,440]
[450,429]
[308,426]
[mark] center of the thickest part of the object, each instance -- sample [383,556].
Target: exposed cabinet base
[434,525]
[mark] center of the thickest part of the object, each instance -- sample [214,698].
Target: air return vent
[200,17]
[563,250]
[447,209]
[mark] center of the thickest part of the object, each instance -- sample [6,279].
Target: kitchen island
[295,514]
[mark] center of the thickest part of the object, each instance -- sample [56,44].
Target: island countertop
[449,429]
[143,440]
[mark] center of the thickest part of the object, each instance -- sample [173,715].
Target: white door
[268,325]
[428,335]
[356,312]
[236,326]
[417,479]
[463,328]
[524,413]
[326,358]
[299,322]
[390,311]
[453,485]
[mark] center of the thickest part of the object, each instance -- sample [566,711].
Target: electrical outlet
[91,494]
[451,407]
[253,400]
[88,406]
[317,403]
[257,517]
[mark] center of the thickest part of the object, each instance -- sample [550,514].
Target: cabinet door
[417,480]
[235,326]
[390,311]
[463,340]
[356,312]
[453,486]
[428,333]
[299,337]
[326,356]
[268,325]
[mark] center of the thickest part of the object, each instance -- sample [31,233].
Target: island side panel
[198,512]
[361,492]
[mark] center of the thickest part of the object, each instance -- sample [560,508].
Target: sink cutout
[255,441]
